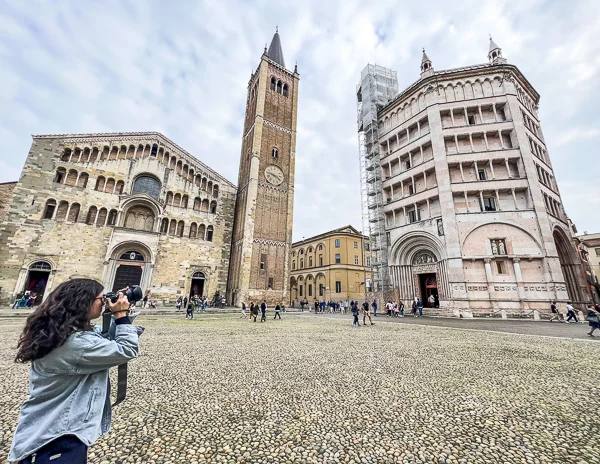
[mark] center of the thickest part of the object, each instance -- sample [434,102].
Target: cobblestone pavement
[224,390]
[516,326]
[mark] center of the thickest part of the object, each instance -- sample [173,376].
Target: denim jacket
[69,390]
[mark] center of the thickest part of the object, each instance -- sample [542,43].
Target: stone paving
[302,390]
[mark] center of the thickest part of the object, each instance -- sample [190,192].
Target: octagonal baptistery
[472,210]
[123,208]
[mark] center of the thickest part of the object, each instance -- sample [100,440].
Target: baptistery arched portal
[38,275]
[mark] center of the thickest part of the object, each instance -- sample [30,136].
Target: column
[466,200]
[462,174]
[452,116]
[428,209]
[507,168]
[487,146]
[482,206]
[394,216]
[476,170]
[422,157]
[416,212]
[492,169]
[392,190]
[456,142]
[488,275]
[495,113]
[466,116]
[419,128]
[497,201]
[471,141]
[410,159]
[480,113]
[397,140]
[425,179]
[407,135]
[388,145]
[519,278]
[501,141]
[512,190]
[135,154]
[402,188]
[404,210]
[412,178]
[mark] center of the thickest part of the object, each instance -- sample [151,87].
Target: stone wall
[6,191]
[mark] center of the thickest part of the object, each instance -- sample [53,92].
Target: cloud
[182,68]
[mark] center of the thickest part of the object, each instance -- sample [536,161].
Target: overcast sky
[181,68]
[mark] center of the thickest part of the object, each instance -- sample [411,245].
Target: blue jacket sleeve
[101,354]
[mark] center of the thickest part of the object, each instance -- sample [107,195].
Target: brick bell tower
[262,231]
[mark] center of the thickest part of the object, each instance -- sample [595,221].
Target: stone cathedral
[135,208]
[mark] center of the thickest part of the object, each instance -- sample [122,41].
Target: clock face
[274,175]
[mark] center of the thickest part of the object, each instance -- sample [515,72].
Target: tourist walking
[68,406]
[189,313]
[571,313]
[414,308]
[593,319]
[222,302]
[366,313]
[244,315]
[263,311]
[420,307]
[277,312]
[555,313]
[374,306]
[178,304]
[253,311]
[185,302]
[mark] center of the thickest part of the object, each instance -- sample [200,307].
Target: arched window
[197,203]
[193,230]
[164,227]
[279,87]
[147,184]
[91,215]
[215,190]
[154,150]
[213,207]
[83,179]
[275,153]
[94,155]
[66,155]
[172,227]
[201,231]
[184,201]
[120,186]
[302,263]
[205,205]
[180,227]
[285,90]
[61,173]
[101,221]
[50,208]
[177,199]
[273,83]
[170,198]
[209,233]
[110,185]
[61,212]
[74,212]
[112,217]
[71,177]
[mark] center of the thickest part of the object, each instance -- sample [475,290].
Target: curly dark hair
[65,311]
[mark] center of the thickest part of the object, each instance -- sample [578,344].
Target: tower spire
[275,51]
[495,53]
[426,65]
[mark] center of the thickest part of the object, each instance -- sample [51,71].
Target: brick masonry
[6,190]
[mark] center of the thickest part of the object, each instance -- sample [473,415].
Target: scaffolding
[378,85]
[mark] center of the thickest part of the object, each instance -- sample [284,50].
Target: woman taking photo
[68,407]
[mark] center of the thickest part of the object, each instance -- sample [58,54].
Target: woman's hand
[121,307]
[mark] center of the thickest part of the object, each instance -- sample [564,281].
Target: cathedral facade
[137,209]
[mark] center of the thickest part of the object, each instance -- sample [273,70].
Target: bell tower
[262,230]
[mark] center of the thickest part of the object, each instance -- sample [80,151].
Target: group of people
[196,302]
[25,301]
[593,316]
[254,308]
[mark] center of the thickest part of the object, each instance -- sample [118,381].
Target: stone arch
[86,154]
[66,156]
[91,215]
[73,215]
[139,217]
[172,227]
[119,187]
[197,204]
[406,247]
[193,230]
[61,211]
[506,229]
[164,226]
[169,200]
[101,220]
[110,185]
[71,177]
[177,199]
[146,202]
[83,180]
[180,227]
[205,205]
[213,207]
[202,232]
[209,233]
[569,264]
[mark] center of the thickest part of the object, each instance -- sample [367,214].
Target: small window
[471,120]
[60,176]
[154,150]
[209,234]
[481,174]
[408,166]
[309,289]
[320,247]
[338,286]
[597,251]
[500,267]
[279,87]
[301,288]
[356,259]
[321,289]
[275,153]
[489,204]
[338,259]
[293,265]
[356,245]
[263,260]
[50,207]
[285,90]
[414,216]
[368,261]
[273,83]
[321,260]
[302,263]
[310,261]
[337,242]
[270,283]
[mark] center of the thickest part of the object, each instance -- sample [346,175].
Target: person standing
[185,302]
[263,311]
[571,313]
[223,303]
[354,309]
[431,301]
[555,313]
[253,310]
[277,312]
[190,310]
[366,313]
[414,308]
[420,307]
[244,315]
[374,306]
[401,308]
[593,319]
[178,303]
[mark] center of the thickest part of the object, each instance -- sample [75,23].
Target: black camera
[133,294]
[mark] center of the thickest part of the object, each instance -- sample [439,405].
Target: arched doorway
[130,266]
[37,280]
[197,286]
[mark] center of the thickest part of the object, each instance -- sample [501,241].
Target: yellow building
[329,267]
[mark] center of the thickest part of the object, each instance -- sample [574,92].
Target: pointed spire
[275,51]
[495,53]
[426,65]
